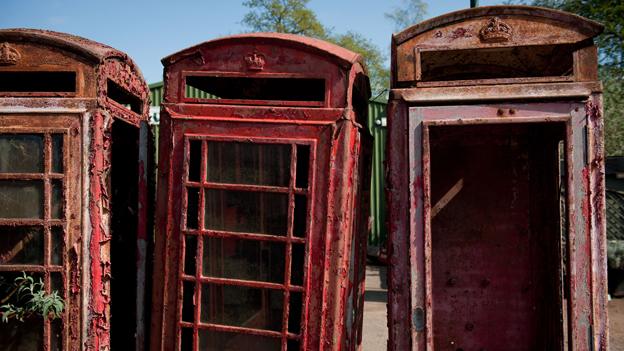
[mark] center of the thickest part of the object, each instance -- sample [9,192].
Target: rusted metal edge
[342,56]
[591,28]
[503,92]
[89,49]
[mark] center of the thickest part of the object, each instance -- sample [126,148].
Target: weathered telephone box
[496,195]
[73,189]
[262,210]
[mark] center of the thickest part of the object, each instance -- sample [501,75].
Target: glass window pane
[57,204]
[244,259]
[21,153]
[249,163]
[246,211]
[21,199]
[21,245]
[57,153]
[242,306]
[212,340]
[57,245]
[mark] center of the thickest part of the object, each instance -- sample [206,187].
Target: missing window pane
[251,88]
[303,166]
[294,314]
[293,345]
[195,156]
[186,339]
[298,260]
[24,335]
[56,335]
[37,81]
[21,245]
[192,208]
[188,301]
[300,220]
[190,254]
[56,283]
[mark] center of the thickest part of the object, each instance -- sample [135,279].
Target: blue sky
[150,30]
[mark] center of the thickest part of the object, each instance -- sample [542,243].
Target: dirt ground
[375,332]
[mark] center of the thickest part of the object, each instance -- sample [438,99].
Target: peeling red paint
[449,122]
[329,124]
[83,113]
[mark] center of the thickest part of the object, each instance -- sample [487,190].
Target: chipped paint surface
[447,124]
[330,126]
[89,112]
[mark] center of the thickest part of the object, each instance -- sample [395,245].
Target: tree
[294,17]
[611,54]
[413,12]
[283,16]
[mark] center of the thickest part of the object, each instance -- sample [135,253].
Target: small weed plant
[26,297]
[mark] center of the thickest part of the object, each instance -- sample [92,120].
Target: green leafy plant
[27,297]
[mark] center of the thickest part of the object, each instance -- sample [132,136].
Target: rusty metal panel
[496,185]
[278,170]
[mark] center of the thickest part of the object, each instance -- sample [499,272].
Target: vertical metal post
[474,3]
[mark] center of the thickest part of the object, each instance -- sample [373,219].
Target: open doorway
[498,237]
[124,225]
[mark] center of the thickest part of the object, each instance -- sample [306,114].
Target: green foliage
[27,297]
[378,72]
[413,12]
[283,16]
[294,17]
[611,53]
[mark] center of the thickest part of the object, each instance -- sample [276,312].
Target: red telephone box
[73,190]
[496,183]
[262,154]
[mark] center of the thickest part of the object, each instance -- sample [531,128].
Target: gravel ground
[375,332]
[616,324]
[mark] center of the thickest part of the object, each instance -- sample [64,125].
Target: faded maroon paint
[421,296]
[87,259]
[335,244]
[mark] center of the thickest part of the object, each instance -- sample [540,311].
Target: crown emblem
[495,31]
[255,61]
[8,55]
